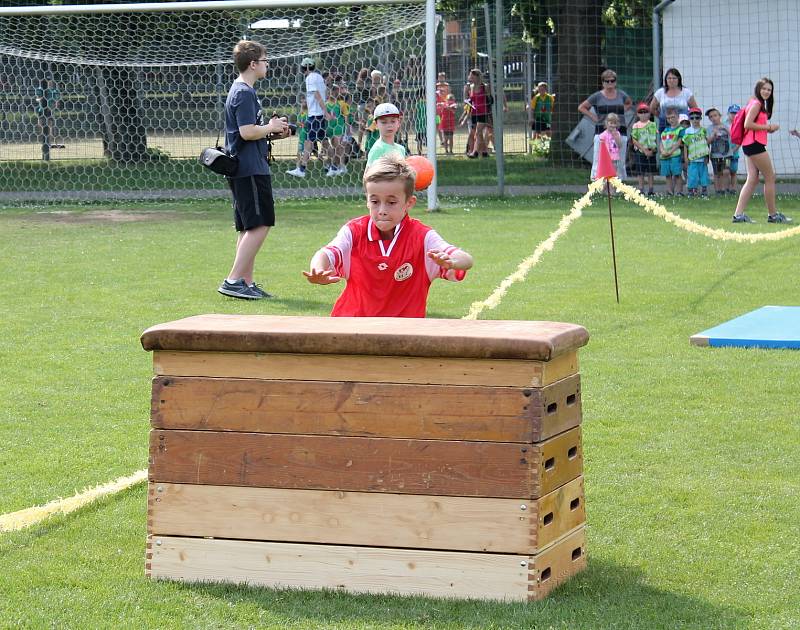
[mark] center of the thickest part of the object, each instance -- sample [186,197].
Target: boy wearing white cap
[387,119]
[317,116]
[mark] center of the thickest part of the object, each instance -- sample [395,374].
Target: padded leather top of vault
[387,336]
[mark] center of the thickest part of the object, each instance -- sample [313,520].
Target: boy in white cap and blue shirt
[316,95]
[387,119]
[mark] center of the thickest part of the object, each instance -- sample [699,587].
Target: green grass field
[692,482]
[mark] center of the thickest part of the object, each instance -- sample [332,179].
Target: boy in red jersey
[388,259]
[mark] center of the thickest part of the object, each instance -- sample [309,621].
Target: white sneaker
[296,172]
[342,170]
[332,172]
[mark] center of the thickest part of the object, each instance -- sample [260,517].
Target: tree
[578,66]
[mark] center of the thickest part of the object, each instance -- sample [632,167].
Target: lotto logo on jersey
[404,272]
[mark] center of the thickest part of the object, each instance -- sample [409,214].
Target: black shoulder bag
[219,160]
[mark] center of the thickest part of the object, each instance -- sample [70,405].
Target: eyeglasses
[266,61]
[695,117]
[643,111]
[609,80]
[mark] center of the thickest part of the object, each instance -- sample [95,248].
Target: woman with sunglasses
[671,94]
[754,146]
[609,100]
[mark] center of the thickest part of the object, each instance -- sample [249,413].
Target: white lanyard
[384,251]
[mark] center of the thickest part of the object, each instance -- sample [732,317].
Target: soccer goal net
[102,104]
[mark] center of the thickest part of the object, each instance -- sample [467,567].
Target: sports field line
[21,519]
[531,261]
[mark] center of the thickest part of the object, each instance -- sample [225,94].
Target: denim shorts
[671,166]
[315,128]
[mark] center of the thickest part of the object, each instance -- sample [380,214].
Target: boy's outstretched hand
[441,259]
[321,276]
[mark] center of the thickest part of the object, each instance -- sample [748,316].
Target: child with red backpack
[750,128]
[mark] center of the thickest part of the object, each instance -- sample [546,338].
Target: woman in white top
[672,94]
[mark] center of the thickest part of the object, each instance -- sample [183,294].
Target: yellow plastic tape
[14,521]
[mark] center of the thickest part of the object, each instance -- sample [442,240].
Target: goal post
[117,100]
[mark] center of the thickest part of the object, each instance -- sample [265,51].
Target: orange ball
[424,170]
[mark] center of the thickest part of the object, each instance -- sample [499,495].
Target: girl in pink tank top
[479,100]
[754,146]
[761,118]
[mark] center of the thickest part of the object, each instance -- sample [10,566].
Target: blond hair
[612,117]
[391,168]
[608,74]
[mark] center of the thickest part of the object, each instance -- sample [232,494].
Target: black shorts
[754,149]
[480,118]
[253,205]
[643,164]
[540,125]
[422,136]
[315,128]
[720,165]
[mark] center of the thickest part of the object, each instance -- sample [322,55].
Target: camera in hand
[277,136]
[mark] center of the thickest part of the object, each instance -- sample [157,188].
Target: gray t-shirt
[721,144]
[242,107]
[604,106]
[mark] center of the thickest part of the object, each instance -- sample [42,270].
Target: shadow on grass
[722,280]
[606,595]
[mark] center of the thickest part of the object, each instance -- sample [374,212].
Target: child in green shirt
[387,119]
[643,135]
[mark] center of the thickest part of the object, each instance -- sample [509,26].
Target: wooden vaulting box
[412,456]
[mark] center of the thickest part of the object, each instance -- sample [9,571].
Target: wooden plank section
[479,469]
[369,519]
[434,412]
[448,574]
[491,469]
[363,368]
[557,513]
[556,408]
[556,564]
[560,459]
[428,337]
[343,518]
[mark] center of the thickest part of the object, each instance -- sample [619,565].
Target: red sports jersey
[386,278]
[447,116]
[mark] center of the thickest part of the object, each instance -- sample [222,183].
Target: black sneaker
[778,217]
[238,289]
[742,218]
[260,290]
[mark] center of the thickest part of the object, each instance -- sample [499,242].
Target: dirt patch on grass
[106,216]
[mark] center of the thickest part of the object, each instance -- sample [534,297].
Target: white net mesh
[121,104]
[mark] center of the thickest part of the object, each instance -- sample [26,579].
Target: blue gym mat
[766,327]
